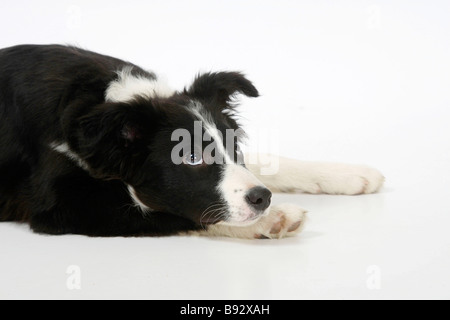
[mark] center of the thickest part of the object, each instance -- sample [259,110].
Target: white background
[349,81]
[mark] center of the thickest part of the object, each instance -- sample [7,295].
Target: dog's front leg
[282,221]
[281,174]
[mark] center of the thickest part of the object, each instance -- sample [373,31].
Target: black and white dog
[90,144]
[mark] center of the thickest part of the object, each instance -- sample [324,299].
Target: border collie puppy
[90,144]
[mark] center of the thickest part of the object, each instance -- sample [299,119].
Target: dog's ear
[220,87]
[113,138]
[114,123]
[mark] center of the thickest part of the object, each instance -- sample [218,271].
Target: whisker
[215,209]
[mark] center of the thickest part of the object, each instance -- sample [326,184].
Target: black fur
[56,94]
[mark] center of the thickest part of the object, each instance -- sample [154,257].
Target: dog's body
[87,146]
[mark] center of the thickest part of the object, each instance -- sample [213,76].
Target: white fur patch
[197,109]
[235,183]
[318,177]
[138,203]
[64,149]
[283,220]
[128,86]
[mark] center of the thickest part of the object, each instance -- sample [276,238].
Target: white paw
[344,179]
[283,221]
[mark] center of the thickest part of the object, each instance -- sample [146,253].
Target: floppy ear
[114,122]
[221,87]
[113,137]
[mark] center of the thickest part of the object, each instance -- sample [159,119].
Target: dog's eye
[193,159]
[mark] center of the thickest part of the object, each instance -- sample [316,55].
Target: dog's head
[179,153]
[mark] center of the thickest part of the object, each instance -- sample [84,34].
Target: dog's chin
[239,222]
[244,223]
[233,223]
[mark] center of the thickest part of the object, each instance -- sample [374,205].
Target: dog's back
[37,83]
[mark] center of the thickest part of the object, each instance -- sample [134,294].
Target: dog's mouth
[240,220]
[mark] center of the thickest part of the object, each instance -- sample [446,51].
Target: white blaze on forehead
[127,86]
[197,109]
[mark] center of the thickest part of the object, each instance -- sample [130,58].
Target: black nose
[259,198]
